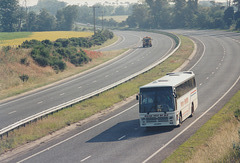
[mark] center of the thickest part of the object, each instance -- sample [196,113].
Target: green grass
[211,142]
[13,35]
[95,104]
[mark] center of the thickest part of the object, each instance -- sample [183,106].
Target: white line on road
[12,112]
[86,158]
[61,142]
[62,94]
[40,102]
[122,137]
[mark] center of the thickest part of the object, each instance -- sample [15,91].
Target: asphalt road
[137,59]
[117,137]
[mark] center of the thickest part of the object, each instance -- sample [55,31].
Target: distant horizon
[91,2]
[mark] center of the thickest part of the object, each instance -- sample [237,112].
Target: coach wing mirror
[137,97]
[174,94]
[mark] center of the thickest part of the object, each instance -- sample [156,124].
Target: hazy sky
[90,2]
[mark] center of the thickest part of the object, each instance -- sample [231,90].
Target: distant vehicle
[147,41]
[168,101]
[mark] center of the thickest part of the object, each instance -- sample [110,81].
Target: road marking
[86,158]
[61,142]
[80,87]
[207,78]
[159,150]
[94,81]
[203,53]
[216,68]
[106,76]
[122,137]
[213,72]
[117,71]
[62,94]
[12,112]
[200,84]
[40,102]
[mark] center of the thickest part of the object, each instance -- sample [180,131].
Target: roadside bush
[41,61]
[6,48]
[58,65]
[47,43]
[24,77]
[24,61]
[64,42]
[48,53]
[30,44]
[80,58]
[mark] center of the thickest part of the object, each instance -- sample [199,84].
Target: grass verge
[213,142]
[11,68]
[95,104]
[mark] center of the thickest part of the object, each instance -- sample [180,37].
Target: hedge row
[55,54]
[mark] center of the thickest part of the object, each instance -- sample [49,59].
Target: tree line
[51,15]
[184,14]
[149,14]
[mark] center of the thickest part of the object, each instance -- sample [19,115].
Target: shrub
[24,61]
[41,61]
[24,77]
[30,44]
[47,43]
[6,48]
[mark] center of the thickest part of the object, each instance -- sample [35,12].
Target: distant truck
[147,41]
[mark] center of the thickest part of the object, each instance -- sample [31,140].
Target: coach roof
[171,79]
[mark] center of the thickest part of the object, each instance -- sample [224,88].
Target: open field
[17,38]
[96,104]
[118,18]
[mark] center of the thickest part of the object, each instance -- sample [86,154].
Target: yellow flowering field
[52,36]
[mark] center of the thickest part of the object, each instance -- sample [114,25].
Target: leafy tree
[237,15]
[237,3]
[131,22]
[31,23]
[8,15]
[45,21]
[140,16]
[21,17]
[51,6]
[119,11]
[160,12]
[179,15]
[66,17]
[238,24]
[228,16]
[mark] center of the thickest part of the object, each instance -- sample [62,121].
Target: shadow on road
[128,130]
